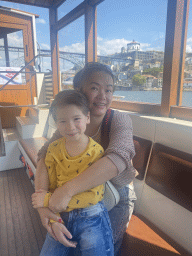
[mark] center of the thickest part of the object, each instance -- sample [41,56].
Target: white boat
[118,97]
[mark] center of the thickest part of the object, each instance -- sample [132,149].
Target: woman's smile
[99,104]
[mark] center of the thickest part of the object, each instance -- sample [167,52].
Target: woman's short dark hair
[69,97]
[89,69]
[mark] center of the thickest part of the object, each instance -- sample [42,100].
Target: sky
[118,22]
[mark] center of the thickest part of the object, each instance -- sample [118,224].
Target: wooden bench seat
[32,146]
[29,149]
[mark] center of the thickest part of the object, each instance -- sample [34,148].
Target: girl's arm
[42,182]
[41,176]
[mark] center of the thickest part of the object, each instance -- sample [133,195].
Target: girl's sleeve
[121,148]
[51,169]
[42,152]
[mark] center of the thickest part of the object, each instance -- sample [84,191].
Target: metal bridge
[78,59]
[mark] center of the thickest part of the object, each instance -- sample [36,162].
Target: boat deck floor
[21,231]
[22,234]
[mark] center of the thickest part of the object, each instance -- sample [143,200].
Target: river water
[151,97]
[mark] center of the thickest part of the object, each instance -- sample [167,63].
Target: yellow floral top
[62,168]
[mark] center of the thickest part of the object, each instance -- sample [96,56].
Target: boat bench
[29,149]
[143,238]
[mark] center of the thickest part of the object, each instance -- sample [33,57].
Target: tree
[138,80]
[153,71]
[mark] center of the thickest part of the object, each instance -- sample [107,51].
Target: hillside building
[133,46]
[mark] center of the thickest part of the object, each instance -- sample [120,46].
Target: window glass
[2,53]
[72,51]
[16,53]
[131,39]
[187,82]
[16,50]
[15,56]
[12,57]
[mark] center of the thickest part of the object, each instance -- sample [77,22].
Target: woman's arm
[121,149]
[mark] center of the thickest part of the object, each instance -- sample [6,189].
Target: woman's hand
[38,198]
[61,233]
[46,215]
[59,200]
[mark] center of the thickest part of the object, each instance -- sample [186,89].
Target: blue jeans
[121,214]
[91,228]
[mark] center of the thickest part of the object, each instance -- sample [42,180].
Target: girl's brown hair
[69,97]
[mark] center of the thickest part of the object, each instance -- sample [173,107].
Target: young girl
[86,219]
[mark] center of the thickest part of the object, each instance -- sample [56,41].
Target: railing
[2,143]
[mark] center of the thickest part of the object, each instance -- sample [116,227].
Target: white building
[133,46]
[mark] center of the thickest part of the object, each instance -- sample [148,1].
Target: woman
[96,81]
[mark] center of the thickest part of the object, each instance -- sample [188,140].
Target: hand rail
[2,143]
[17,72]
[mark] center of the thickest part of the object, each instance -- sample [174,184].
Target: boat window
[12,56]
[170,173]
[16,56]
[132,35]
[74,60]
[2,53]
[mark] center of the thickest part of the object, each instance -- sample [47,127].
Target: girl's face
[71,122]
[99,90]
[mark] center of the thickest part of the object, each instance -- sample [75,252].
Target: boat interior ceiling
[162,133]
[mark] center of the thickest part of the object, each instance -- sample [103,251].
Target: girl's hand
[59,200]
[38,198]
[45,215]
[61,233]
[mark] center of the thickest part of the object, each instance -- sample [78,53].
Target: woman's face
[99,90]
